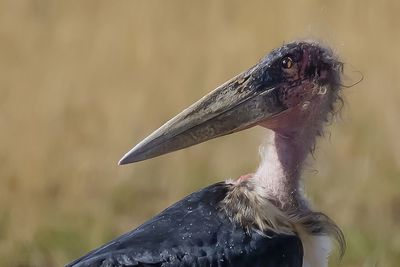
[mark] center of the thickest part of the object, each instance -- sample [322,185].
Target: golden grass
[82,81]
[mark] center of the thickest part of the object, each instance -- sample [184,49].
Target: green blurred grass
[82,81]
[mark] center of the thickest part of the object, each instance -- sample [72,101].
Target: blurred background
[81,82]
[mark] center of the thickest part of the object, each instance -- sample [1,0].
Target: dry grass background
[82,81]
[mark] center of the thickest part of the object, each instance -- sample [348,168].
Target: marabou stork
[260,219]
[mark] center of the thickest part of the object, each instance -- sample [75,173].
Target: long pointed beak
[238,104]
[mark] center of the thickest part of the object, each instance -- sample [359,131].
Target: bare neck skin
[294,135]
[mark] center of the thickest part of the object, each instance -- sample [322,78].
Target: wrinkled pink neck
[283,157]
[278,175]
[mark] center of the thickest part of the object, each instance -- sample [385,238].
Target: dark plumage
[196,232]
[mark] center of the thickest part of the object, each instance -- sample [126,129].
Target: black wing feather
[194,232]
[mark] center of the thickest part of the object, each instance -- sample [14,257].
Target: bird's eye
[287,62]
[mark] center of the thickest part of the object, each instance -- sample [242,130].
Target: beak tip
[122,162]
[134,155]
[126,159]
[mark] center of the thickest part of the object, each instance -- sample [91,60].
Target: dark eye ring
[287,62]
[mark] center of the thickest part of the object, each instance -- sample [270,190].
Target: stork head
[284,89]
